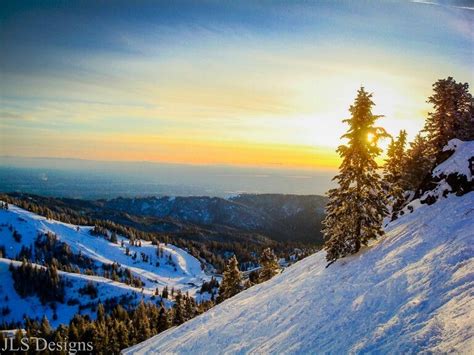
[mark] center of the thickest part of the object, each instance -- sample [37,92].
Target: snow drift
[411,291]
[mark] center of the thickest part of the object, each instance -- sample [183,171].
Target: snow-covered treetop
[455,175]
[460,162]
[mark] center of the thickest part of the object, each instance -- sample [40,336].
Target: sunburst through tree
[357,206]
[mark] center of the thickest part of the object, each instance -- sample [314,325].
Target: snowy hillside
[172,266]
[32,307]
[182,272]
[411,291]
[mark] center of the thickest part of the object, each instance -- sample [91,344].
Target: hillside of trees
[211,244]
[364,197]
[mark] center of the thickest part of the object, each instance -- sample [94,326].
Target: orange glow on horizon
[189,151]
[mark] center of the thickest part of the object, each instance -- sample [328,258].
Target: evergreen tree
[100,331]
[452,116]
[357,206]
[393,172]
[45,328]
[113,344]
[163,321]
[178,309]
[123,335]
[231,282]
[100,313]
[269,264]
[45,283]
[191,309]
[141,322]
[417,164]
[59,337]
[467,125]
[73,333]
[165,293]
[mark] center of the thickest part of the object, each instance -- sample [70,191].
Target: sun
[381,142]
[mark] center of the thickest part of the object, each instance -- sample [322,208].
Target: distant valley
[211,227]
[87,179]
[286,218]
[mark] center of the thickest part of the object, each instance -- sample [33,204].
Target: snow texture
[459,161]
[411,291]
[183,272]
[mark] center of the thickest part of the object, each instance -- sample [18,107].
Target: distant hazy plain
[94,180]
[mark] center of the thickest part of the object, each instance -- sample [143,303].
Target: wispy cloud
[444,4]
[14,116]
[246,79]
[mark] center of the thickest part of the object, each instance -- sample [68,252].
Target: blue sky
[241,83]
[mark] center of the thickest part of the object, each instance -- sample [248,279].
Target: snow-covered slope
[412,291]
[174,267]
[32,307]
[409,292]
[183,272]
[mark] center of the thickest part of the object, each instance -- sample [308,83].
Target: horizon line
[196,165]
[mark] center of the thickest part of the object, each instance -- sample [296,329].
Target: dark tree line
[44,282]
[233,281]
[117,273]
[48,249]
[117,328]
[89,289]
[210,287]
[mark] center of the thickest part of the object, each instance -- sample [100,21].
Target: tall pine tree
[357,206]
[269,263]
[452,116]
[393,172]
[417,163]
[178,309]
[163,321]
[467,125]
[231,281]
